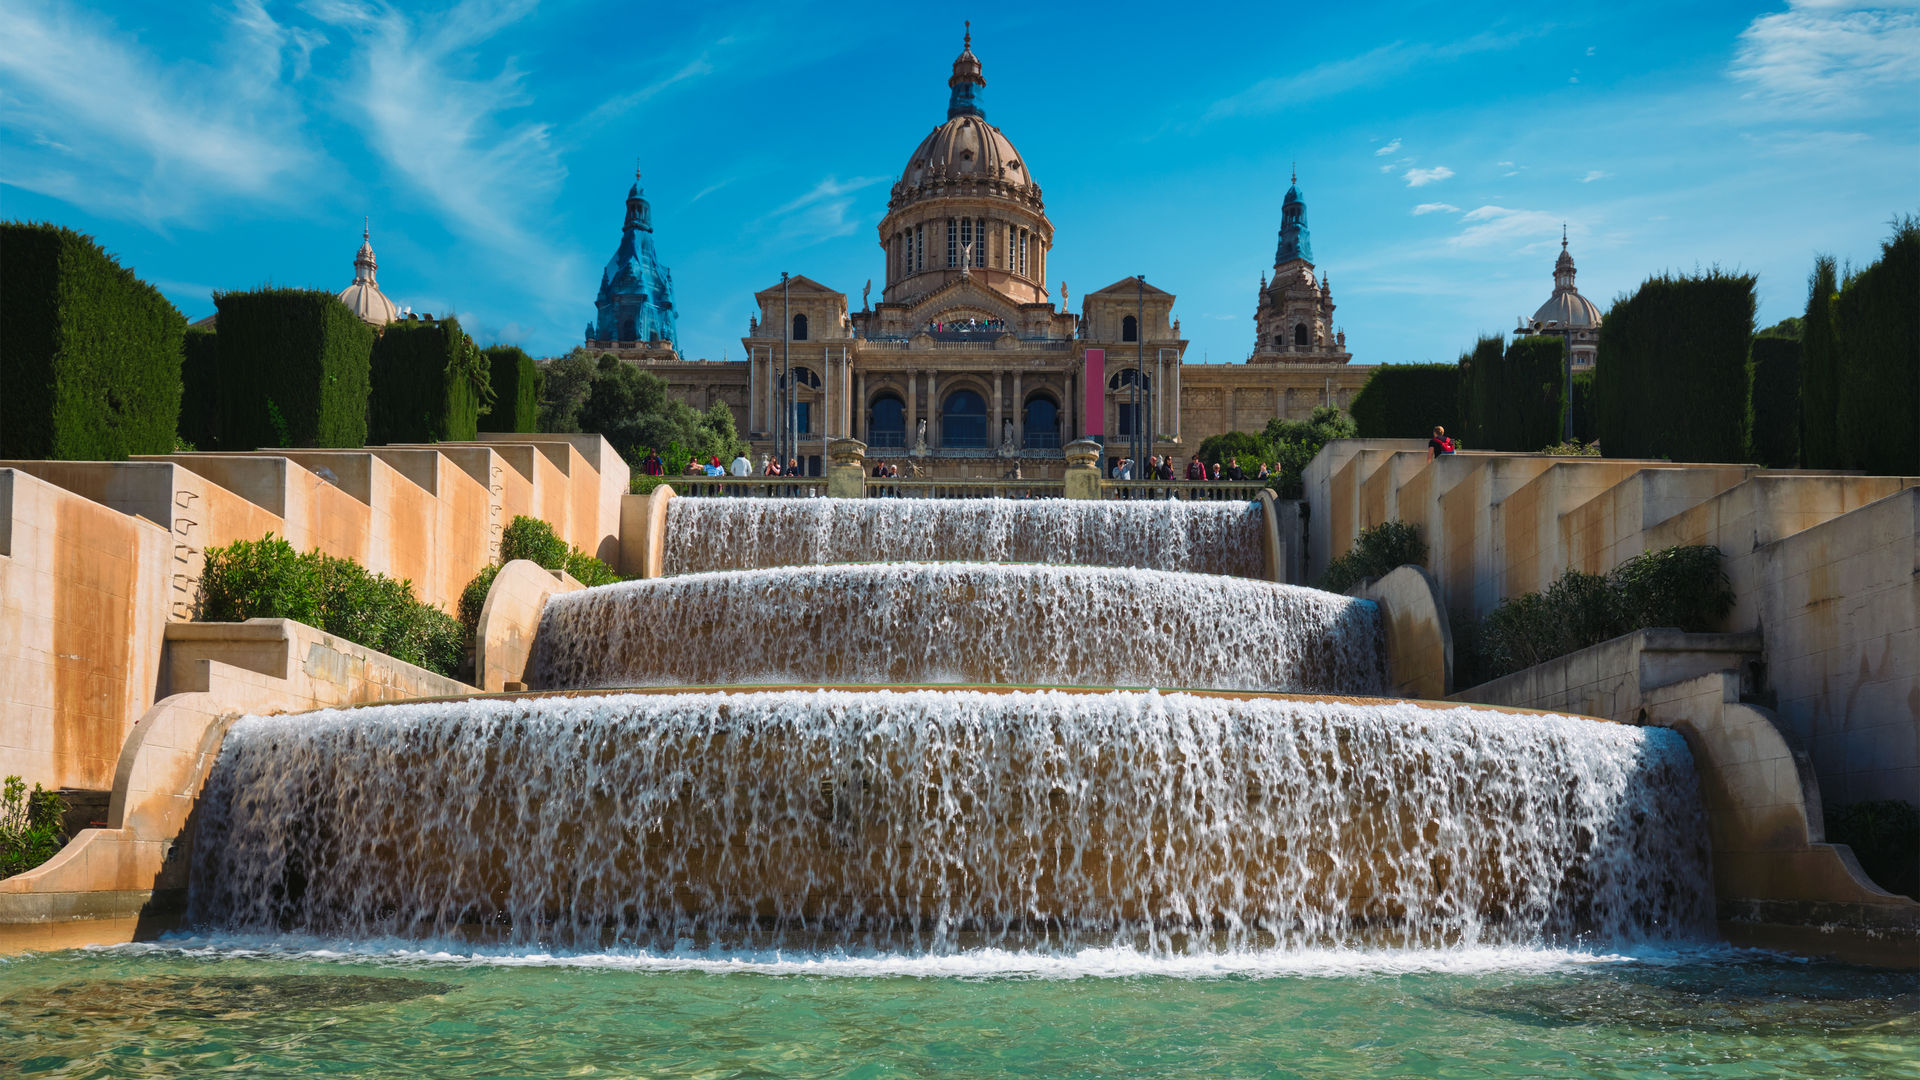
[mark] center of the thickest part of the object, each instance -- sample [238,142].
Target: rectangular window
[966,238]
[1125,417]
[1008,261]
[980,249]
[919,247]
[1023,252]
[803,417]
[953,243]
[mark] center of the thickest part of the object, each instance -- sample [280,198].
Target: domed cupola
[364,297]
[966,195]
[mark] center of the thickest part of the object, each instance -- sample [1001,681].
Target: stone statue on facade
[966,260]
[1006,437]
[920,437]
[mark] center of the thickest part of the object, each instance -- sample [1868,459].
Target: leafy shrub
[1406,401]
[91,353]
[1376,551]
[430,383]
[1671,377]
[533,539]
[516,391]
[30,830]
[1885,836]
[267,579]
[473,599]
[1294,443]
[1572,449]
[1684,587]
[294,370]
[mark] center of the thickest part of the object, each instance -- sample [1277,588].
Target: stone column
[1159,388]
[913,406]
[1069,428]
[933,410]
[993,438]
[860,406]
[1019,414]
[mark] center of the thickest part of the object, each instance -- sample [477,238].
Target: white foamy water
[945,823]
[960,622]
[1156,534]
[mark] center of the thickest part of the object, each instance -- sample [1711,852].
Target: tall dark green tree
[516,384]
[1480,374]
[1775,382]
[1407,401]
[1819,389]
[1876,335]
[1671,378]
[1532,393]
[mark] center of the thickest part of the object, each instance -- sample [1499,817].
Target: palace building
[967,364]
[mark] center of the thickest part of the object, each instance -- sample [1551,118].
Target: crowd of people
[1196,471]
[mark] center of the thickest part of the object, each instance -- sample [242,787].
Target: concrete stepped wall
[97,557]
[1825,567]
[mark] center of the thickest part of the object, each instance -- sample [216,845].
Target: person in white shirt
[741,466]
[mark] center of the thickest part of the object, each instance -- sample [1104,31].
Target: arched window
[805,376]
[1300,334]
[887,422]
[1125,378]
[1279,339]
[963,420]
[1129,329]
[799,328]
[1042,423]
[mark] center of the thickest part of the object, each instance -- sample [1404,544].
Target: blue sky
[1440,146]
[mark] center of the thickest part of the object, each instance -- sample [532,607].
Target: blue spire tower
[636,291]
[966,82]
[1295,243]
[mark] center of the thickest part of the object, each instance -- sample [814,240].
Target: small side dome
[364,297]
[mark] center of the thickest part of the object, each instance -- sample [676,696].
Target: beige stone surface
[1419,641]
[510,620]
[643,533]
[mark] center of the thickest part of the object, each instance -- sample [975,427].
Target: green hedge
[1479,393]
[534,540]
[267,579]
[1583,430]
[1671,378]
[1876,346]
[1533,392]
[1774,376]
[200,388]
[1819,370]
[430,382]
[516,391]
[293,370]
[1377,550]
[1678,586]
[1406,401]
[89,353]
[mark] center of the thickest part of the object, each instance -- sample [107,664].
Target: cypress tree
[1671,378]
[1876,335]
[1819,442]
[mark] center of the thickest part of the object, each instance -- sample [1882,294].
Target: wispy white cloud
[710,189]
[1435,208]
[1339,76]
[1594,174]
[1488,226]
[822,213]
[459,140]
[99,123]
[1388,150]
[1388,167]
[1829,53]
[1423,177]
[618,105]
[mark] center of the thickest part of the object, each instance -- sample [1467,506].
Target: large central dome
[966,206]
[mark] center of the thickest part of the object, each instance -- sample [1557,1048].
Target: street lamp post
[1139,363]
[785,440]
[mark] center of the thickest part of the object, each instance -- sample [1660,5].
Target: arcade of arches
[968,364]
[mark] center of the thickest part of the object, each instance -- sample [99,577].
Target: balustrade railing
[1202,490]
[963,488]
[748,486]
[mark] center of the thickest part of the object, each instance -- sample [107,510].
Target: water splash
[960,622]
[941,821]
[1158,534]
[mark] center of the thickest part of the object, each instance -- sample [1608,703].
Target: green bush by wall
[267,579]
[89,353]
[430,383]
[1684,587]
[1377,550]
[534,540]
[1671,378]
[1774,378]
[516,391]
[30,826]
[293,370]
[1876,350]
[1407,401]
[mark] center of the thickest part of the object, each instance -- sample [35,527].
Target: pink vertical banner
[1093,419]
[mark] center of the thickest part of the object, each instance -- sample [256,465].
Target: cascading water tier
[935,819]
[910,623]
[1146,534]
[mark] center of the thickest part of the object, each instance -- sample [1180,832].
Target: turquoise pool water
[233,1007]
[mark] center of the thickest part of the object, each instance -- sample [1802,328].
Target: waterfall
[960,622]
[938,820]
[1160,534]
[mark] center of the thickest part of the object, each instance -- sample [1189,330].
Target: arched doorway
[963,421]
[1041,423]
[887,423]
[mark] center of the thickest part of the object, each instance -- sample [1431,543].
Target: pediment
[1129,287]
[962,297]
[800,284]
